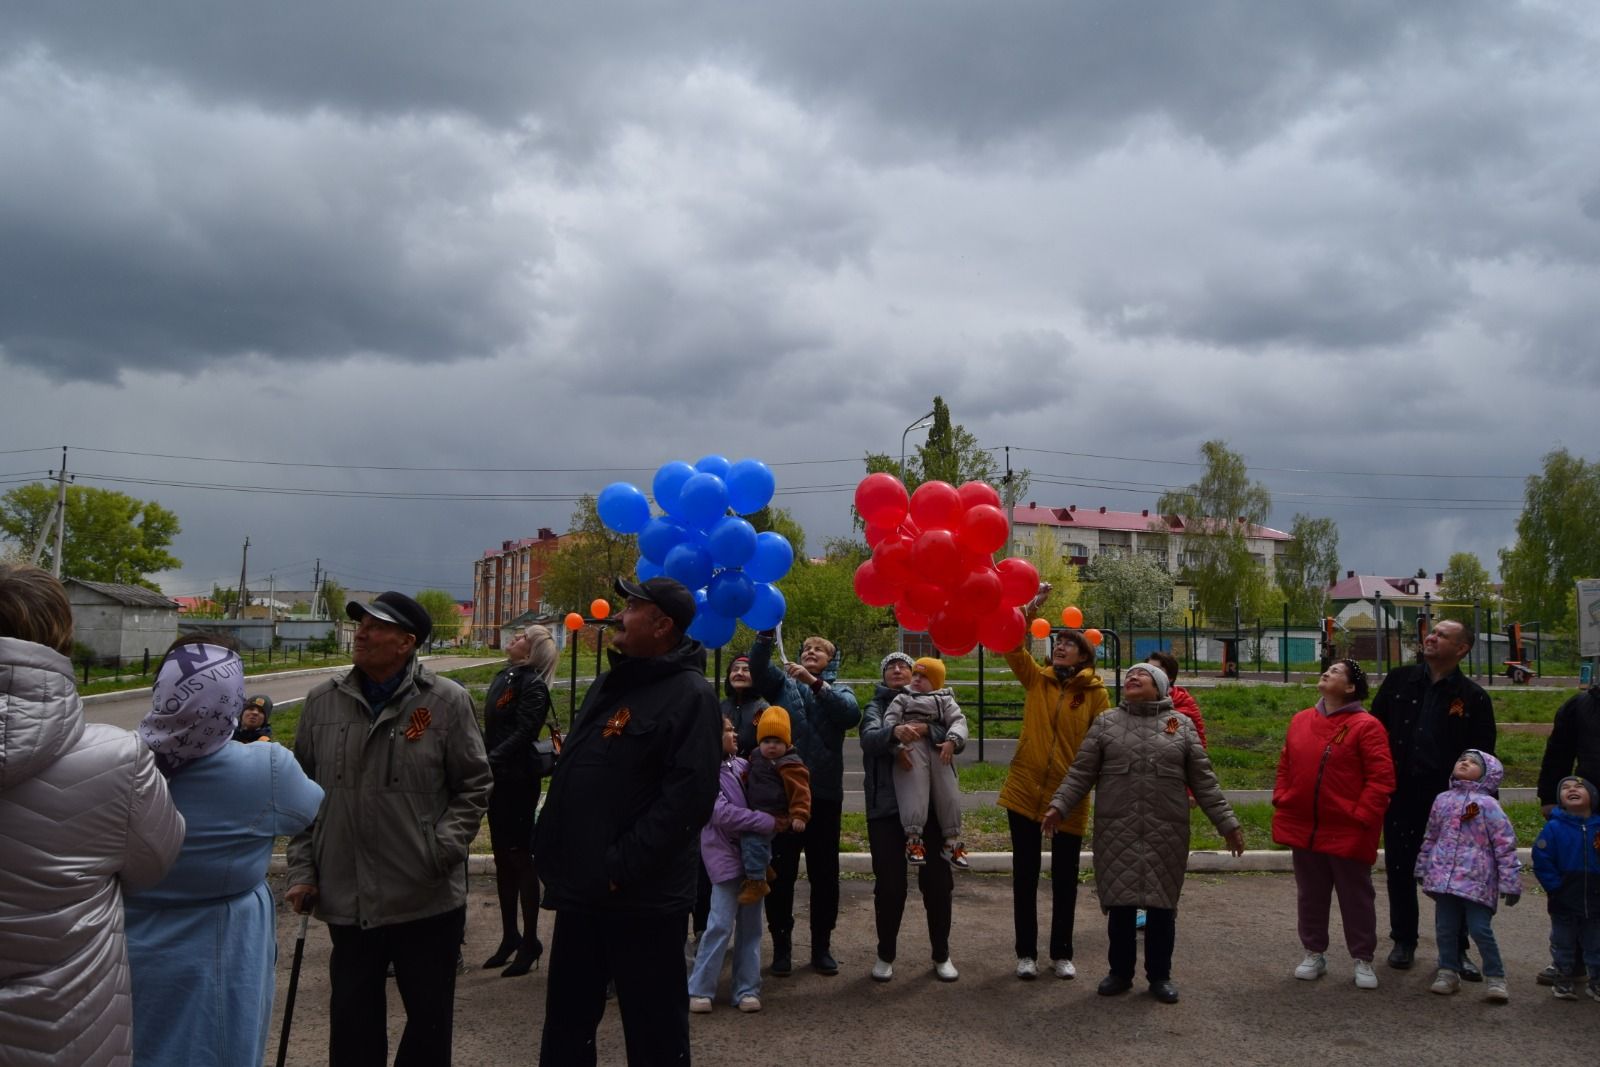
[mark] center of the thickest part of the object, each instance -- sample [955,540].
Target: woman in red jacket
[1335,776]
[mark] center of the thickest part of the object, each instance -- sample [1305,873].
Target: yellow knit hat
[933,669]
[774,722]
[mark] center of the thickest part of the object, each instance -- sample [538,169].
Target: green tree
[1217,513]
[587,561]
[1130,588]
[780,520]
[952,454]
[822,600]
[1309,566]
[1056,571]
[110,536]
[1465,581]
[1556,542]
[442,612]
[333,598]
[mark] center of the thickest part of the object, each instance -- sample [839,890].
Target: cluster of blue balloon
[697,541]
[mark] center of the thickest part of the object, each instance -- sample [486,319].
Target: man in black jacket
[615,844]
[1433,713]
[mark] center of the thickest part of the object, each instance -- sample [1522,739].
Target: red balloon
[1002,630]
[871,587]
[975,493]
[925,598]
[1019,581]
[892,557]
[1072,616]
[881,500]
[937,506]
[978,594]
[983,529]
[910,618]
[937,557]
[875,534]
[954,635]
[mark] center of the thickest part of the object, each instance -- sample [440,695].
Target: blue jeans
[1448,912]
[1569,931]
[755,854]
[740,923]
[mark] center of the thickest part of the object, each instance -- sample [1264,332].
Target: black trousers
[1027,846]
[1160,935]
[935,880]
[423,952]
[643,955]
[820,843]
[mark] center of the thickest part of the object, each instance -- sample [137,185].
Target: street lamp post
[923,421]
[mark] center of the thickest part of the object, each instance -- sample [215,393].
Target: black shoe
[1402,956]
[782,962]
[1549,976]
[1164,991]
[527,959]
[1113,984]
[1469,971]
[502,955]
[822,961]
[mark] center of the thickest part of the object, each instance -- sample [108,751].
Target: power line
[440,470]
[1279,470]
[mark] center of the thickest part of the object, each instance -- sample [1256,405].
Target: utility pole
[1011,503]
[244,562]
[58,518]
[316,587]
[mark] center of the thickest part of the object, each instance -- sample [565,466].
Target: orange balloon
[573,621]
[1071,616]
[1094,637]
[600,608]
[1039,628]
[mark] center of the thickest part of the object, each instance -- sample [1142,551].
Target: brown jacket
[1138,759]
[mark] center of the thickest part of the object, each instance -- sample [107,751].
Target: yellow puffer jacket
[1055,718]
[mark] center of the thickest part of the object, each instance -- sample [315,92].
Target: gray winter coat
[1138,758]
[83,812]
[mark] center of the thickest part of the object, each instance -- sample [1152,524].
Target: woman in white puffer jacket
[83,812]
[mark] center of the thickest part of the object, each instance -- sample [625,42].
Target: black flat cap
[674,600]
[398,609]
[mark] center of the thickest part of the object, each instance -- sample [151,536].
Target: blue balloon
[732,542]
[773,558]
[647,569]
[711,629]
[713,464]
[730,593]
[668,483]
[702,500]
[623,508]
[700,602]
[659,536]
[750,486]
[768,608]
[689,564]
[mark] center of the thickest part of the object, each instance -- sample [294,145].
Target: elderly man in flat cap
[400,756]
[616,842]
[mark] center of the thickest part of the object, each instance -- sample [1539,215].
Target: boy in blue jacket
[1566,860]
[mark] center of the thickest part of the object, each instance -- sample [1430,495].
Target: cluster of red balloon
[701,541]
[933,559]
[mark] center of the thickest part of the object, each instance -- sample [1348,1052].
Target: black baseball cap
[674,600]
[396,608]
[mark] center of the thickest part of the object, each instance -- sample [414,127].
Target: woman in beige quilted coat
[1140,758]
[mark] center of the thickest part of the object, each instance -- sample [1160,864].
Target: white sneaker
[882,971]
[1314,966]
[1495,990]
[1064,968]
[1366,978]
[700,1005]
[1026,968]
[1445,982]
[946,971]
[749,1003]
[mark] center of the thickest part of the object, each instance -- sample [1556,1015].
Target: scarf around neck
[195,707]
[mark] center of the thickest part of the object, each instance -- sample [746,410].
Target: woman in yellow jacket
[1061,701]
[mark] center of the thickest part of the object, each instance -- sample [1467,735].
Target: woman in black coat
[514,713]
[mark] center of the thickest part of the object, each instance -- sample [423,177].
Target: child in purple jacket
[1469,862]
[728,919]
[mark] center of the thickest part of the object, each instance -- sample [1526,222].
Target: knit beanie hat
[896,657]
[932,669]
[1476,757]
[1594,794]
[1157,675]
[774,722]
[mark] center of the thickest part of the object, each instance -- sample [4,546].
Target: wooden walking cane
[294,984]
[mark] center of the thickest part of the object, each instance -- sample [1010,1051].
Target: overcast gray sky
[1353,237]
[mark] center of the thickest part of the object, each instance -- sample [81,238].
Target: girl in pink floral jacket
[1467,864]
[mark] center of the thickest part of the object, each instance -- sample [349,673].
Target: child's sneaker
[1445,982]
[752,890]
[916,855]
[1495,989]
[955,854]
[1314,966]
[749,1003]
[1593,989]
[700,1005]
[1562,988]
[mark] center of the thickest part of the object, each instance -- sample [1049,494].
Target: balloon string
[777,642]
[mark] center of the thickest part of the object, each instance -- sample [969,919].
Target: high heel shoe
[527,958]
[508,945]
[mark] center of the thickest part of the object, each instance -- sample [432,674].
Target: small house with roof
[121,622]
